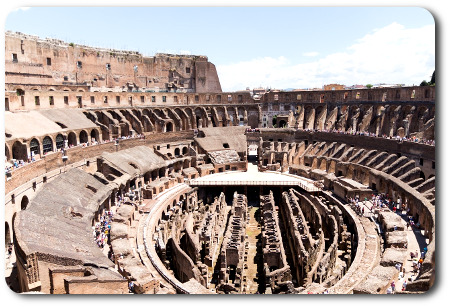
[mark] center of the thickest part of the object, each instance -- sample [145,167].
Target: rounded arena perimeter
[206,192]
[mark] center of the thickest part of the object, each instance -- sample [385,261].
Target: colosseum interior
[133,174]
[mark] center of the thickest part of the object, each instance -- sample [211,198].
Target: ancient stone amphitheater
[116,186]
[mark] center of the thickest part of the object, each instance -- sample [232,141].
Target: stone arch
[422,175]
[35,147]
[19,151]
[177,151]
[83,136]
[7,235]
[95,135]
[24,202]
[169,127]
[185,150]
[72,139]
[59,141]
[7,153]
[47,145]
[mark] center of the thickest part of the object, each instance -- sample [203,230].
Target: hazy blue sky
[279,47]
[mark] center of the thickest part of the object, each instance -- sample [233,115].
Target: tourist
[404,286]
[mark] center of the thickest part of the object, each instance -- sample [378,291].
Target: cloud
[311,54]
[393,54]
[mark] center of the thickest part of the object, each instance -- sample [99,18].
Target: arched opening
[34,147]
[422,175]
[7,154]
[72,139]
[282,123]
[162,172]
[47,145]
[83,137]
[7,235]
[19,151]
[185,150]
[59,141]
[94,135]
[177,151]
[24,203]
[169,127]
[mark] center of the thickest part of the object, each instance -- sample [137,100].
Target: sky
[276,47]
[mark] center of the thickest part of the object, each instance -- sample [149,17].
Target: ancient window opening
[197,98]
[49,61]
[226,145]
[51,100]
[6,104]
[433,164]
[66,78]
[66,99]
[188,70]
[413,94]
[427,94]
[34,185]
[13,199]
[92,99]
[105,99]
[207,97]
[153,98]
[358,95]
[239,98]
[44,179]
[275,97]
[34,147]
[14,58]
[219,98]
[108,66]
[118,99]
[299,97]
[175,98]
[59,141]
[397,94]
[142,99]
[227,167]
[168,146]
[164,98]
[384,97]
[47,144]
[421,161]
[230,99]
[79,64]
[37,100]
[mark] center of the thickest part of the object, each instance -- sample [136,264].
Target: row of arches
[42,145]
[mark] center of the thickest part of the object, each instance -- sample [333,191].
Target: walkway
[252,177]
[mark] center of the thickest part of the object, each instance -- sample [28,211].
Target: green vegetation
[369,85]
[431,83]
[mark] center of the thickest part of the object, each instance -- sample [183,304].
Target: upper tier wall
[34,61]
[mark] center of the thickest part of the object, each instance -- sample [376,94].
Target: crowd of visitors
[413,139]
[102,229]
